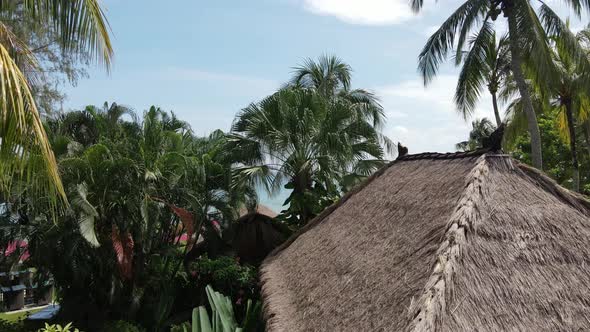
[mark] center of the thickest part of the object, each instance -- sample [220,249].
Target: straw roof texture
[260,209]
[438,242]
[255,236]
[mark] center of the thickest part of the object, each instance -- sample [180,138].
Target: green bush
[58,328]
[121,326]
[184,327]
[225,274]
[223,317]
[12,326]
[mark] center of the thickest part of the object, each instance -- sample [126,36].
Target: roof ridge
[426,155]
[426,313]
[448,155]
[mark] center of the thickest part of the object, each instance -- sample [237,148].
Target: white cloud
[367,12]
[433,123]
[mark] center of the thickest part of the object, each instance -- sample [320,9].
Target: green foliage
[224,273]
[486,64]
[223,318]
[558,153]
[78,28]
[58,328]
[309,136]
[17,326]
[121,326]
[481,129]
[529,31]
[314,200]
[134,187]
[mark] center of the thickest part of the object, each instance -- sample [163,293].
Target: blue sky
[205,60]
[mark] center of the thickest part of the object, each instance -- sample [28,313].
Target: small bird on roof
[401,150]
[494,141]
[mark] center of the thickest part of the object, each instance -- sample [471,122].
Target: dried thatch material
[438,242]
[256,234]
[260,209]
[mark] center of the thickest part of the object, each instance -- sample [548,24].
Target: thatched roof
[256,234]
[438,242]
[260,209]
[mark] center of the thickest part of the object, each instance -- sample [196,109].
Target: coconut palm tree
[570,93]
[527,35]
[332,77]
[300,138]
[584,38]
[110,117]
[82,26]
[487,63]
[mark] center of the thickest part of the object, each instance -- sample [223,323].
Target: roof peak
[450,155]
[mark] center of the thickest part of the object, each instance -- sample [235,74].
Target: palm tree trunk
[496,111]
[302,184]
[516,65]
[572,132]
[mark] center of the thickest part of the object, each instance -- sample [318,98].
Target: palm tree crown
[528,44]
[296,136]
[486,64]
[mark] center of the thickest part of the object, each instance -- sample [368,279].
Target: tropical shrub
[223,317]
[58,328]
[558,153]
[121,326]
[17,326]
[225,274]
[136,189]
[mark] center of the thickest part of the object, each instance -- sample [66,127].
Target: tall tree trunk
[496,111]
[302,185]
[525,96]
[572,131]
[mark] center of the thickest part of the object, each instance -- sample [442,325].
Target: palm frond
[557,29]
[474,16]
[81,24]
[416,5]
[578,5]
[534,43]
[442,41]
[326,75]
[22,134]
[472,77]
